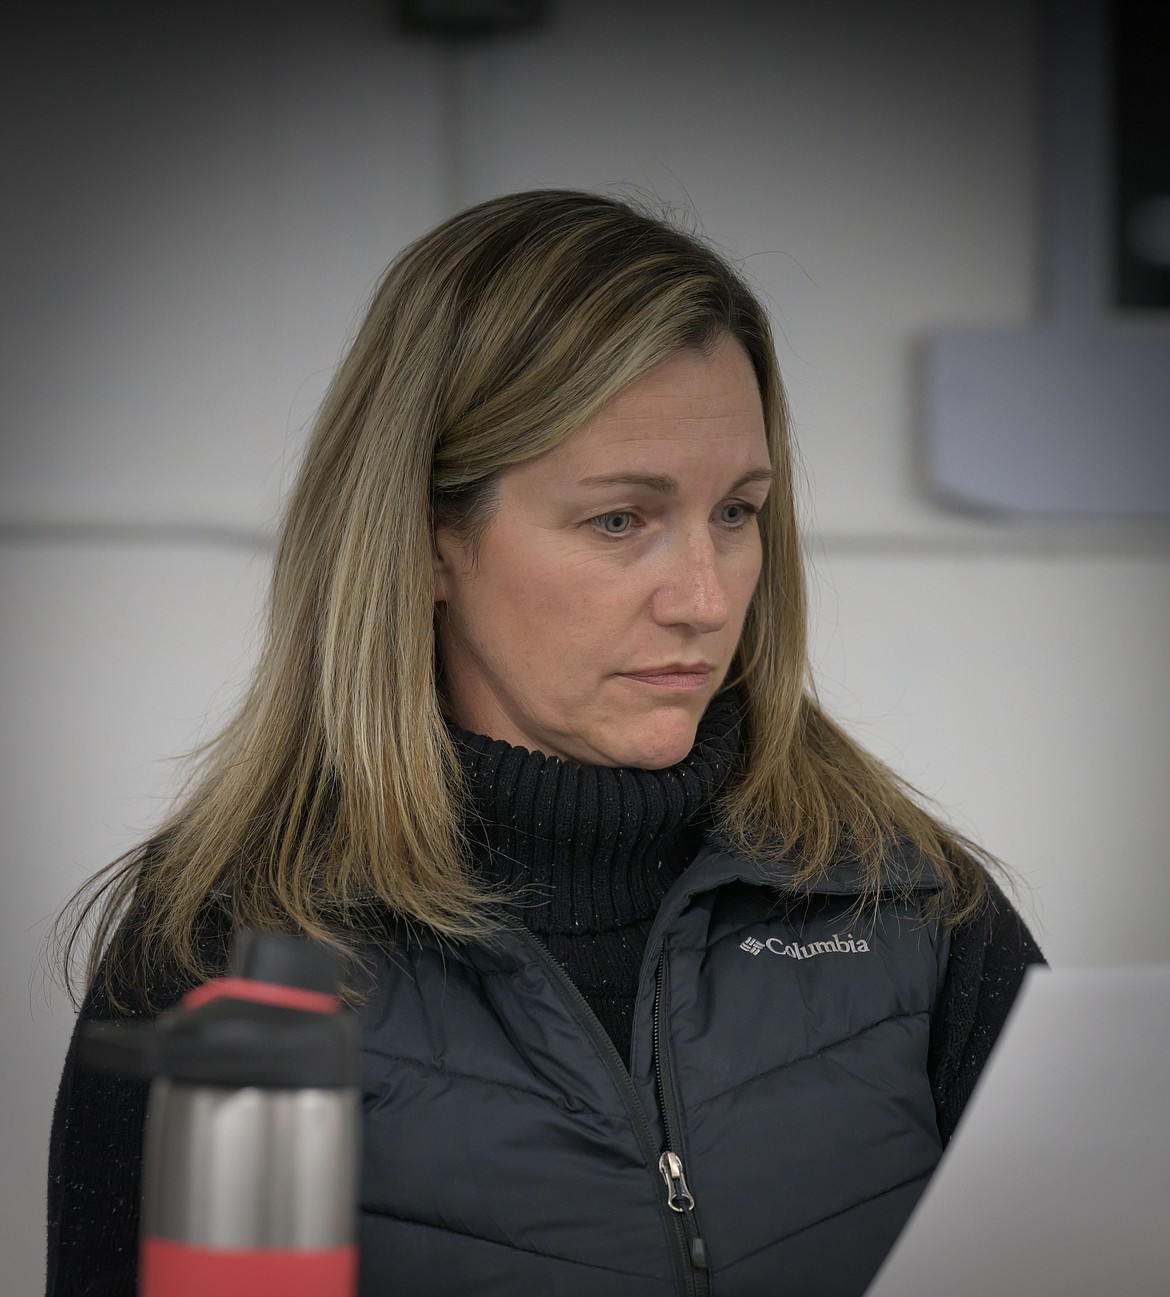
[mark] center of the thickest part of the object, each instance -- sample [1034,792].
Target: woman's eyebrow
[652,481]
[668,485]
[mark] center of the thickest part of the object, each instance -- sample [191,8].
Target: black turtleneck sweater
[588,852]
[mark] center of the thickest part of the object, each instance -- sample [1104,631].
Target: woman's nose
[693,591]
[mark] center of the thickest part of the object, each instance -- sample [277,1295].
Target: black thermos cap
[286,960]
[236,1041]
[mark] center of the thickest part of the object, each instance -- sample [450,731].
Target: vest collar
[907,871]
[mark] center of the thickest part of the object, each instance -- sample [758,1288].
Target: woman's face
[605,603]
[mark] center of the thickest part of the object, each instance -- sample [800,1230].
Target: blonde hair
[334,793]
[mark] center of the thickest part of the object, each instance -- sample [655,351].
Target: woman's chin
[665,746]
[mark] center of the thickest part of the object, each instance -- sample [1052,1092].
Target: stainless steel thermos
[251,1151]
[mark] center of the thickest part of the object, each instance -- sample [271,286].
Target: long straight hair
[334,793]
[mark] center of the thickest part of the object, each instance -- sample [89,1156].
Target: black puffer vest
[772,1133]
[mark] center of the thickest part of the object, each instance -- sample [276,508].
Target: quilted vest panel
[505,1152]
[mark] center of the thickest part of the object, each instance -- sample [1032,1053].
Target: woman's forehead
[686,396]
[655,453]
[690,384]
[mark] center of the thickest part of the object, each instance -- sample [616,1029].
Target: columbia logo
[836,945]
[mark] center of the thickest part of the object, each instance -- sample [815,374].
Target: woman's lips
[672,677]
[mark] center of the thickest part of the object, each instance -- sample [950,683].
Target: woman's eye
[735,515]
[614,524]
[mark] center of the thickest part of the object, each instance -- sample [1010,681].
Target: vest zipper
[678,1194]
[689,1265]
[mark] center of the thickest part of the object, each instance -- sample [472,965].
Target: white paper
[1057,1180]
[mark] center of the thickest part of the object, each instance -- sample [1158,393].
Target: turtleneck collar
[592,848]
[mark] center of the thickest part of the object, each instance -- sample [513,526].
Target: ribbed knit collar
[592,848]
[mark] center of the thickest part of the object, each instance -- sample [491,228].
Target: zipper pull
[678,1196]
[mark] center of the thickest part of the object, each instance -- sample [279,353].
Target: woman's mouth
[675,675]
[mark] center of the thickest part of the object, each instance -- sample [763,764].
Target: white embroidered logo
[836,945]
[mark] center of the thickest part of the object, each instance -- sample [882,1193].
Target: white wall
[205,204]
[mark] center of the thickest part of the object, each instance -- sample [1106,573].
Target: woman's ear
[441,563]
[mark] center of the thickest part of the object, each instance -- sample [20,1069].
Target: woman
[664,984]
